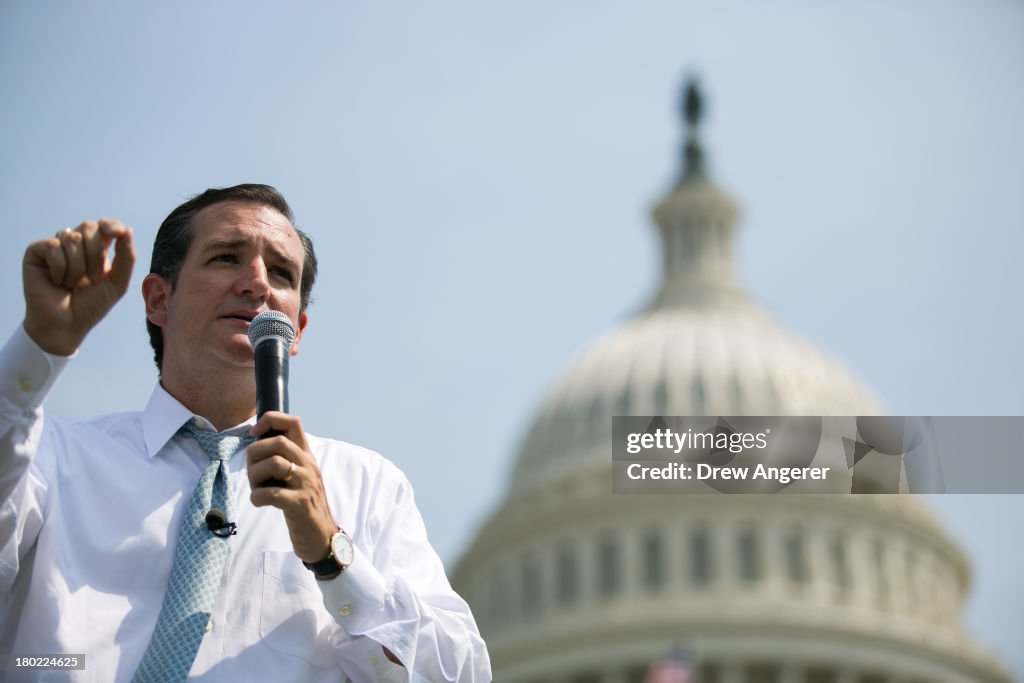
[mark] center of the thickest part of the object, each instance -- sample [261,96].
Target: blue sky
[478,180]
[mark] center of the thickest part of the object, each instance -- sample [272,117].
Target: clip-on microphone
[217,522]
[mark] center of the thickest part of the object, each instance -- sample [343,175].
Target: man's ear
[155,291]
[303,319]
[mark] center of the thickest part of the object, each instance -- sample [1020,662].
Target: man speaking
[191,539]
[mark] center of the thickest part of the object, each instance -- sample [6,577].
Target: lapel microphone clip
[217,522]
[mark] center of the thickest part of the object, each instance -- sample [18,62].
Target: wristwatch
[340,554]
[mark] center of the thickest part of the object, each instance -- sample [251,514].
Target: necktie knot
[217,445]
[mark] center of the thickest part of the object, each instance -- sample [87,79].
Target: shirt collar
[163,417]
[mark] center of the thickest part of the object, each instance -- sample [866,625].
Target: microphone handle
[271,359]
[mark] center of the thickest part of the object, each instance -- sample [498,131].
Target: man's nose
[254,280]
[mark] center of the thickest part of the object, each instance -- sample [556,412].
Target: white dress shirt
[89,522]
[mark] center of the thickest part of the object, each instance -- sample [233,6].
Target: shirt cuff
[356,595]
[27,373]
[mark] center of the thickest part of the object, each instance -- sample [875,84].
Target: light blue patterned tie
[198,567]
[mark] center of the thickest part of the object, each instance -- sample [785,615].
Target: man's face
[244,259]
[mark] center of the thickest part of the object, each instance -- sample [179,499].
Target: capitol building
[572,584]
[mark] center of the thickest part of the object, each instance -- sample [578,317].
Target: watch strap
[329,566]
[324,567]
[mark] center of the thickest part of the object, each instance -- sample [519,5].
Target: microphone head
[215,519]
[271,325]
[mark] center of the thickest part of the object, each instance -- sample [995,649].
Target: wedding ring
[291,471]
[61,233]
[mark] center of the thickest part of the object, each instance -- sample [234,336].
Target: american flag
[673,669]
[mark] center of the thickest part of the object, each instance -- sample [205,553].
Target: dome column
[587,566]
[630,553]
[861,570]
[935,589]
[890,567]
[952,598]
[846,675]
[900,594]
[616,676]
[821,589]
[789,672]
[676,552]
[732,672]
[725,558]
[775,581]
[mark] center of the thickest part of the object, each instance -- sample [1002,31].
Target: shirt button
[345,610]
[209,626]
[374,660]
[27,385]
[198,423]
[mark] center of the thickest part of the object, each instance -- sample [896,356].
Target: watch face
[344,552]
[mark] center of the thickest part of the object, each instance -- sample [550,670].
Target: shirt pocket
[293,619]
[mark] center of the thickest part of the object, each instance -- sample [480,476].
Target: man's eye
[284,274]
[223,258]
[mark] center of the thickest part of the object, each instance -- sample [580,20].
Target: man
[329,577]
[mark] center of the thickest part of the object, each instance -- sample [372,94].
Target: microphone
[271,334]
[217,522]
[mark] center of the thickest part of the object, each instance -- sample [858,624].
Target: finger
[74,255]
[275,467]
[274,496]
[112,229]
[289,425]
[124,258]
[276,445]
[92,244]
[269,462]
[49,254]
[295,502]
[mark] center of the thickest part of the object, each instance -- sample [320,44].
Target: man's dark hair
[175,235]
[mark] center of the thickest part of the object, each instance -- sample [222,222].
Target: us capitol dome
[572,584]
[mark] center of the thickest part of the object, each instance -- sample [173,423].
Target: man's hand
[70,285]
[302,499]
